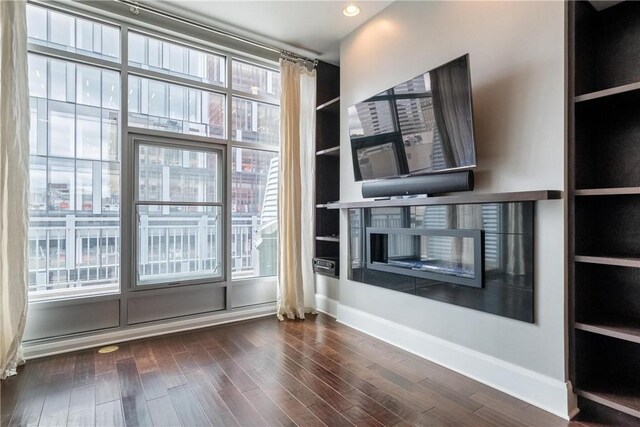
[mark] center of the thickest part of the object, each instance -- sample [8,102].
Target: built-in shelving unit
[333,151]
[631,87]
[604,210]
[607,191]
[327,160]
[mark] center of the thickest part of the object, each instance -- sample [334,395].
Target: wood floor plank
[145,360]
[82,406]
[187,407]
[134,404]
[360,418]
[185,362]
[505,404]
[285,400]
[404,410]
[55,410]
[241,409]
[319,387]
[105,362]
[291,383]
[237,375]
[456,418]
[125,351]
[29,407]
[170,371]
[107,387]
[174,344]
[464,401]
[496,418]
[109,414]
[163,413]
[393,377]
[211,403]
[153,385]
[217,377]
[373,408]
[10,390]
[336,369]
[329,415]
[61,364]
[269,410]
[136,412]
[84,371]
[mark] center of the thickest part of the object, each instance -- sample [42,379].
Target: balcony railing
[76,254]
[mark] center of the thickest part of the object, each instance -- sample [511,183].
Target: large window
[187,115]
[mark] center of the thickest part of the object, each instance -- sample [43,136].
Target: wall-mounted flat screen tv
[421,126]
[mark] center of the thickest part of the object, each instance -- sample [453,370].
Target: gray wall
[517,70]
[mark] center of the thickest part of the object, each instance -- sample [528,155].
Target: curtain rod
[135,8]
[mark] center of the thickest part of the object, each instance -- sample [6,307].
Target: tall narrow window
[74,232]
[254,191]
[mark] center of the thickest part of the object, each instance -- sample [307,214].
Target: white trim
[327,305]
[42,349]
[547,393]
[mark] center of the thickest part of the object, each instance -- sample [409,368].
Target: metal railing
[82,253]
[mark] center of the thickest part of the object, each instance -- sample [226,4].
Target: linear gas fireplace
[478,256]
[451,256]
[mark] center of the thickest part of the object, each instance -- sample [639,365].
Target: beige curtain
[296,178]
[14,182]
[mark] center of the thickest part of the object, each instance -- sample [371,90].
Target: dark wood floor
[256,373]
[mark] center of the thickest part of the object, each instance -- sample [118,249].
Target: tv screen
[421,126]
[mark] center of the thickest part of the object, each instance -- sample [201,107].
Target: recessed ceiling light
[351,10]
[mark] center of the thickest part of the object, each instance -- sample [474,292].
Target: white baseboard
[539,390]
[327,305]
[81,342]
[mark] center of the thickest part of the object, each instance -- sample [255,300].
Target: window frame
[136,140]
[127,133]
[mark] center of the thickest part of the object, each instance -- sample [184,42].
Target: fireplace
[478,256]
[452,256]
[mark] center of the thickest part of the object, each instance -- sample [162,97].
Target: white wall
[517,70]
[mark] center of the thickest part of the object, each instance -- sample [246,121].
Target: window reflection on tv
[379,160]
[420,126]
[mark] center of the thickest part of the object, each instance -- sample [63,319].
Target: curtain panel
[296,185]
[14,182]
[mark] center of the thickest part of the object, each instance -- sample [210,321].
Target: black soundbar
[424,184]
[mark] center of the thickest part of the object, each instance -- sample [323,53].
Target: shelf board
[624,328]
[615,397]
[608,92]
[458,199]
[620,261]
[607,191]
[332,106]
[333,151]
[328,238]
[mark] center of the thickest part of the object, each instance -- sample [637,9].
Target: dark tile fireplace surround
[478,256]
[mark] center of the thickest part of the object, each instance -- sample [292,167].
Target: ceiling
[310,28]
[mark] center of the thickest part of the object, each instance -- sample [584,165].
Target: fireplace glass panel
[453,256]
[507,242]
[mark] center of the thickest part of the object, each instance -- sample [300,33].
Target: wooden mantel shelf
[458,199]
